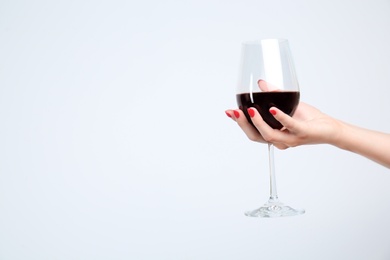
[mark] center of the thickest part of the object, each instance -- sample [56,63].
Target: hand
[307,126]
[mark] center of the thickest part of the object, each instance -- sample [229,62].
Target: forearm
[368,143]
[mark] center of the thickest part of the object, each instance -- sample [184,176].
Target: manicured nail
[272,111]
[229,115]
[236,114]
[251,112]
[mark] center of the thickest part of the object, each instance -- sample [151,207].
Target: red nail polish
[251,112]
[272,111]
[229,115]
[236,114]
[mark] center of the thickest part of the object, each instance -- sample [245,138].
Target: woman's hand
[307,126]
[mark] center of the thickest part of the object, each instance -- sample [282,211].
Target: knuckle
[268,138]
[293,144]
[282,147]
[253,137]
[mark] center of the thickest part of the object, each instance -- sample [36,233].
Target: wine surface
[286,101]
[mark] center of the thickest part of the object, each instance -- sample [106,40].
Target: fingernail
[272,111]
[236,114]
[251,112]
[229,115]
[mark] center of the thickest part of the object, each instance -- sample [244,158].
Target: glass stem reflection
[273,192]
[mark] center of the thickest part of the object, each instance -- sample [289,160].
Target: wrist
[344,136]
[337,136]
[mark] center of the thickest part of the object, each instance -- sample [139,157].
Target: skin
[310,126]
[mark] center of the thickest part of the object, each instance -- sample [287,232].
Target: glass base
[274,208]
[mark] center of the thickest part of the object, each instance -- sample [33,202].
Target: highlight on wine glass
[267,79]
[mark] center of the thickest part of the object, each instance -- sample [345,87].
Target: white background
[114,143]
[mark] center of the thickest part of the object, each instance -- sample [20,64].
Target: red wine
[286,101]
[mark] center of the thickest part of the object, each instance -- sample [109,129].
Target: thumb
[286,120]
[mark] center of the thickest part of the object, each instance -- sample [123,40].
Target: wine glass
[268,79]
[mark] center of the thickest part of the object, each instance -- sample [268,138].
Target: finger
[269,134]
[266,86]
[281,146]
[262,85]
[265,130]
[230,114]
[287,121]
[250,131]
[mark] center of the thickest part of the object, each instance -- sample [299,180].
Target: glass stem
[273,192]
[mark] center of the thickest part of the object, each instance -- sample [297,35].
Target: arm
[368,143]
[311,126]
